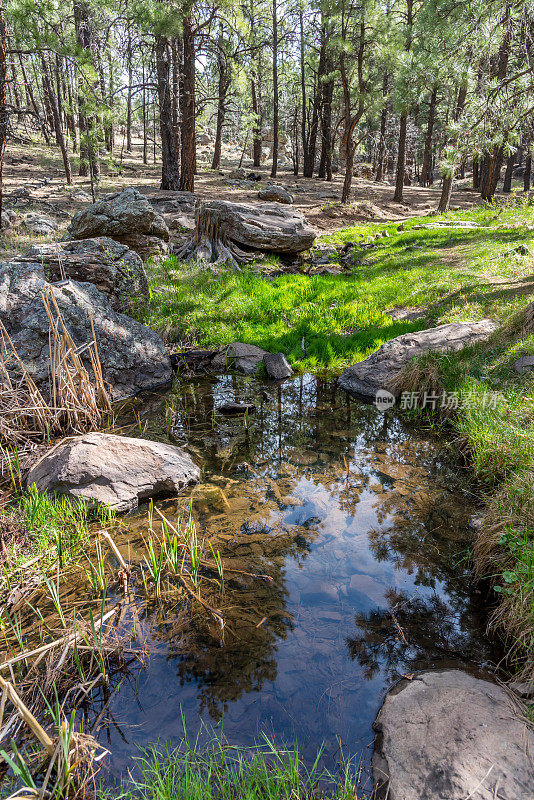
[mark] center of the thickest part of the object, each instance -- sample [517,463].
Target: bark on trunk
[89,163]
[274,168]
[401,160]
[187,107]
[170,177]
[426,169]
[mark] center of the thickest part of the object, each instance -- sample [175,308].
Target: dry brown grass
[77,400]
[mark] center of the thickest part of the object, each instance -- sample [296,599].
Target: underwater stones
[378,371]
[448,736]
[236,408]
[118,471]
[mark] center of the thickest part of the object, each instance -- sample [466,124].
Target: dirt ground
[36,173]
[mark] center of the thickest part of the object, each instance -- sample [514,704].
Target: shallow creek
[361,520]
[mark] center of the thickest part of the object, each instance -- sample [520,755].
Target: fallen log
[223,229]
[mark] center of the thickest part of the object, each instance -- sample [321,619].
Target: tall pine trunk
[58,128]
[527,172]
[507,183]
[381,155]
[426,169]
[256,141]
[3,109]
[187,107]
[274,167]
[401,159]
[170,176]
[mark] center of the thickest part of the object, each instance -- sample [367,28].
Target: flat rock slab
[118,471]
[449,736]
[39,224]
[379,370]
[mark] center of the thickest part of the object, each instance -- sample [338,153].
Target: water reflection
[359,520]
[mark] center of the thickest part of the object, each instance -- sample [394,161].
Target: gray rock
[236,408]
[277,366]
[39,224]
[113,268]
[132,356]
[145,246]
[116,470]
[275,193]
[378,371]
[449,736]
[170,202]
[244,358]
[120,214]
[239,174]
[524,364]
[266,226]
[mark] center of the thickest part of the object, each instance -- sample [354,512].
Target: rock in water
[133,357]
[379,370]
[120,215]
[223,228]
[275,193]
[116,470]
[113,268]
[449,736]
[244,358]
[277,366]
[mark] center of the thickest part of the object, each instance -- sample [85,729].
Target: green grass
[494,427]
[46,531]
[217,771]
[449,274]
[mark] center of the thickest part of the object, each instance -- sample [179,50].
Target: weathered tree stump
[232,233]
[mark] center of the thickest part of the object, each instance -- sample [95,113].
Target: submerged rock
[379,370]
[448,736]
[116,470]
[133,357]
[236,408]
[242,357]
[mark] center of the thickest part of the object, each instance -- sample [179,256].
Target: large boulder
[113,268]
[120,215]
[449,736]
[132,356]
[116,470]
[379,370]
[275,193]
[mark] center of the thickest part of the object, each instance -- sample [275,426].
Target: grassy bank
[447,273]
[494,427]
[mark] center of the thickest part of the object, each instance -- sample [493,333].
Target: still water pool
[361,520]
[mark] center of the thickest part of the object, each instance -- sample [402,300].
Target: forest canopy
[418,89]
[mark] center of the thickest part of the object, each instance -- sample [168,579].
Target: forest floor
[26,168]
